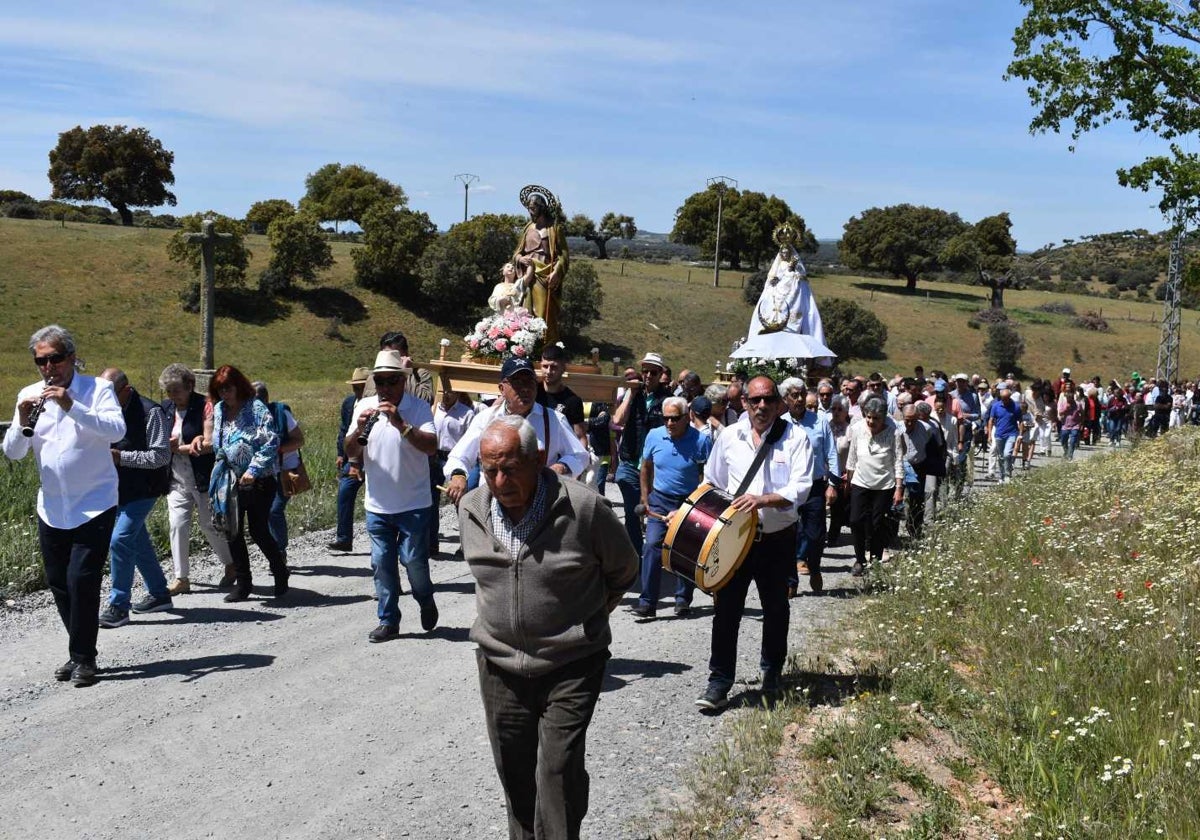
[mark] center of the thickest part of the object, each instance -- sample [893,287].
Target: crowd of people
[550,556]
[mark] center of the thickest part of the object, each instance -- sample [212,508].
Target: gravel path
[279,716]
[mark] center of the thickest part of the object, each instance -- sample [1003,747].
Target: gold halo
[785,234]
[530,190]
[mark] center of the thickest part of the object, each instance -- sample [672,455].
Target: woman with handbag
[247,447]
[293,476]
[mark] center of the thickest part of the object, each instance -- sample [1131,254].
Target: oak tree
[904,240]
[126,167]
[339,193]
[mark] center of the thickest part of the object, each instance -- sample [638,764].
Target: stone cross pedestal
[208,239]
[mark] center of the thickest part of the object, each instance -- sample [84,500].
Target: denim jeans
[629,482]
[348,488]
[810,531]
[399,539]
[130,548]
[1007,447]
[601,475]
[652,570]
[1070,440]
[436,463]
[277,518]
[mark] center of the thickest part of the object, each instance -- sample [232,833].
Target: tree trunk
[910,284]
[125,213]
[601,246]
[997,296]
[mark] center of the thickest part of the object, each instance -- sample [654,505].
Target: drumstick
[441,489]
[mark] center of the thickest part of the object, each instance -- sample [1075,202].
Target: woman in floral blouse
[245,442]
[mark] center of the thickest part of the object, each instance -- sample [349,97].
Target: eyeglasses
[672,417]
[768,399]
[52,359]
[388,381]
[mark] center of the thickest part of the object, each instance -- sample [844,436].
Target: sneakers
[340,545]
[63,672]
[240,592]
[383,632]
[114,616]
[713,698]
[683,610]
[84,673]
[179,586]
[857,570]
[643,611]
[151,604]
[429,616]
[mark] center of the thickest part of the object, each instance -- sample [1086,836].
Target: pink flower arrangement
[515,332]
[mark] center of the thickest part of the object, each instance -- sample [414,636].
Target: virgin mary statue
[786,322]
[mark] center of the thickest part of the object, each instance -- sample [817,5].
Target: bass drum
[707,540]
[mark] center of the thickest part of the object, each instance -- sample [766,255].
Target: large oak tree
[337,193]
[126,167]
[748,219]
[612,226]
[904,240]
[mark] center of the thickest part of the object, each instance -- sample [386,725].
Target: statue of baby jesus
[509,292]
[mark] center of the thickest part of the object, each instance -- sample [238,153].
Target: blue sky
[630,107]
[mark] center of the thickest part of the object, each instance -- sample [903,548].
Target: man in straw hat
[393,437]
[350,478]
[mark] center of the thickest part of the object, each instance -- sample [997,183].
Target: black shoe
[63,672]
[772,683]
[816,582]
[281,582]
[228,579]
[84,673]
[383,632]
[857,570]
[713,698]
[151,604]
[240,592]
[683,610]
[791,592]
[340,546]
[114,616]
[643,611]
[429,617]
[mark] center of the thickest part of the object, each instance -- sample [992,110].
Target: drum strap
[773,435]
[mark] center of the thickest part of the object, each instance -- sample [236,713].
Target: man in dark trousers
[550,561]
[350,478]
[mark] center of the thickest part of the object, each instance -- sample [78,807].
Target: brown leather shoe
[802,569]
[179,586]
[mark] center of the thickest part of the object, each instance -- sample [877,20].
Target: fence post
[622,268]
[689,279]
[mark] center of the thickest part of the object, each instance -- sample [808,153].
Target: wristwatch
[463,473]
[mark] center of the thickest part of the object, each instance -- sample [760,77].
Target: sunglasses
[388,381]
[768,399]
[52,359]
[669,418]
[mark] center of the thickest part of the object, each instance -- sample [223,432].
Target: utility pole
[1168,343]
[720,183]
[467,180]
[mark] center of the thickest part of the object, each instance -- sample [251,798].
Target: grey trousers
[538,730]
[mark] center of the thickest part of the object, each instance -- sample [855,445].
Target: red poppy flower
[1135,555]
[1035,561]
[1049,520]
[1120,594]
[1149,584]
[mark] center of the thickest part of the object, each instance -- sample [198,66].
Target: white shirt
[72,450]
[397,472]
[290,460]
[787,469]
[564,448]
[451,425]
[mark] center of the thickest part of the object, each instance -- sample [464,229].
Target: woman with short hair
[875,467]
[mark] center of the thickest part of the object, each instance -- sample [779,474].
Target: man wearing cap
[349,473]
[1062,380]
[560,448]
[639,412]
[399,434]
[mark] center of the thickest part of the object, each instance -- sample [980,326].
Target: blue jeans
[436,464]
[347,493]
[601,474]
[1007,447]
[629,482]
[810,531]
[277,518]
[652,570]
[399,538]
[1070,440]
[130,548]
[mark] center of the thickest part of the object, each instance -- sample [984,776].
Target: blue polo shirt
[824,445]
[678,464]
[1004,418]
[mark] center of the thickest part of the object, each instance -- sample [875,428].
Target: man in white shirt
[77,501]
[399,438]
[780,483]
[560,448]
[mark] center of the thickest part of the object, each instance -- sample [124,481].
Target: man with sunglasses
[399,433]
[778,485]
[638,413]
[77,501]
[560,448]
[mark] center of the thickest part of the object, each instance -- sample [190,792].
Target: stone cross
[208,239]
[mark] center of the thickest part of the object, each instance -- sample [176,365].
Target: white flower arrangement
[514,332]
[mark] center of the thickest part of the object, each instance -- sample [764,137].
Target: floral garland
[514,332]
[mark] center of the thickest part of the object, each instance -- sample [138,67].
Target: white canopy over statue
[786,323]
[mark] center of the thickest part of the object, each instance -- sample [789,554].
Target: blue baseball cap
[512,366]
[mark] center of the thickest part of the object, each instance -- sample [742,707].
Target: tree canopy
[988,249]
[490,239]
[262,213]
[231,255]
[339,193]
[298,252]
[903,240]
[393,241]
[612,226]
[126,167]
[1092,62]
[748,220]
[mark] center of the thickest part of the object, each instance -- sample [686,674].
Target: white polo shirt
[73,451]
[787,469]
[397,472]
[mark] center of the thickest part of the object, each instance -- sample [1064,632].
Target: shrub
[1058,307]
[990,316]
[754,287]
[852,331]
[1091,321]
[1003,348]
[21,210]
[581,300]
